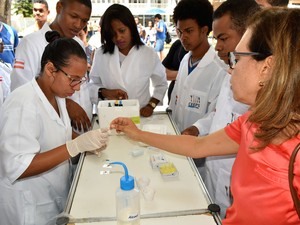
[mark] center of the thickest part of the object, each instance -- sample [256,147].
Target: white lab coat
[133,76]
[1,95]
[28,65]
[5,70]
[217,169]
[29,125]
[194,95]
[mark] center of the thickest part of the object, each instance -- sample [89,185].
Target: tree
[23,7]
[5,9]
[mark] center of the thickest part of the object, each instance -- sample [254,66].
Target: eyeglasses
[74,81]
[232,60]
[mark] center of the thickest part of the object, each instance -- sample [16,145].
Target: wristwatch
[152,104]
[100,93]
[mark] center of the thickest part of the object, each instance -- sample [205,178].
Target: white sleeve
[159,79]
[18,139]
[203,125]
[1,95]
[5,71]
[95,80]
[27,63]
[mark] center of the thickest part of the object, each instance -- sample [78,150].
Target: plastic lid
[127,183]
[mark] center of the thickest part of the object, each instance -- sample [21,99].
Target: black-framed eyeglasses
[232,60]
[74,81]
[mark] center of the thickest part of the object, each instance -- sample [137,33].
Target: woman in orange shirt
[265,73]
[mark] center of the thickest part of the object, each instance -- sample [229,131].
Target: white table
[92,197]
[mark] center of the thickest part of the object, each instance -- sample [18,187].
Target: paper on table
[154,128]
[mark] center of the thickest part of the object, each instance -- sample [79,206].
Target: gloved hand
[93,141]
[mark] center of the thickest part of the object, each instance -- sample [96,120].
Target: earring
[261,83]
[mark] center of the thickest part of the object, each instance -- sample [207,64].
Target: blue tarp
[154,11]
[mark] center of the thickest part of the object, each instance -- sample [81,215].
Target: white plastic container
[127,200]
[107,111]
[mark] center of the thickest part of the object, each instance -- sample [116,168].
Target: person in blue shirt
[160,35]
[10,39]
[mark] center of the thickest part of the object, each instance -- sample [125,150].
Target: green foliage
[23,7]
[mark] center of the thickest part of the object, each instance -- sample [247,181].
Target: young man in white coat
[229,24]
[201,71]
[72,16]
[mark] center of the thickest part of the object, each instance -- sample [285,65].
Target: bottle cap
[126,181]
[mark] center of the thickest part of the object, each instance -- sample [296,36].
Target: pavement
[164,106]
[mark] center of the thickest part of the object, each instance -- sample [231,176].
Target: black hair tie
[52,36]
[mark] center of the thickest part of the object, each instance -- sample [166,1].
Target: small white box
[107,111]
[157,159]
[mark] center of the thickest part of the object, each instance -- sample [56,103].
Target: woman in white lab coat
[36,138]
[123,66]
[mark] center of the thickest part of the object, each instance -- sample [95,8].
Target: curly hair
[199,10]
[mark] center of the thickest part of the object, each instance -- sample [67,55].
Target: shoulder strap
[291,178]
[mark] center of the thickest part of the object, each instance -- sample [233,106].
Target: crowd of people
[236,102]
[154,34]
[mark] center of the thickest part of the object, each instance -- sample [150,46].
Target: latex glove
[93,141]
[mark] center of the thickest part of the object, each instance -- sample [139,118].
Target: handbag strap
[291,178]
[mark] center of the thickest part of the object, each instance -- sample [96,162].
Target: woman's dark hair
[59,50]
[199,10]
[123,14]
[152,23]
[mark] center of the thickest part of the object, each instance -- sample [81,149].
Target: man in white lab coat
[201,72]
[228,27]
[71,17]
